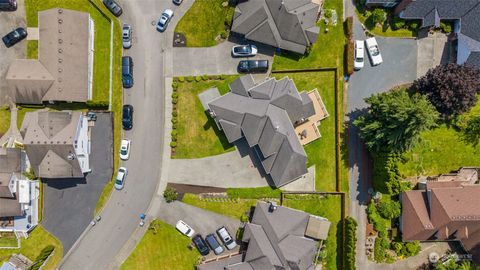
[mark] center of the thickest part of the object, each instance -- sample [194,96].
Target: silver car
[126,36]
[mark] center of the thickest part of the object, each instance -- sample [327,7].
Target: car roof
[125,142]
[359,43]
[371,41]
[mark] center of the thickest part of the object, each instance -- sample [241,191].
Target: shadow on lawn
[210,124]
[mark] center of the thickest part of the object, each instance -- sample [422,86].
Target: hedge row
[174,133]
[350,47]
[350,242]
[42,257]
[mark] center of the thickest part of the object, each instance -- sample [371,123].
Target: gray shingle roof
[474,59]
[10,166]
[287,24]
[264,114]
[49,141]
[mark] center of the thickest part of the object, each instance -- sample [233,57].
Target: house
[464,15]
[445,208]
[278,238]
[57,143]
[17,262]
[64,69]
[264,115]
[288,24]
[381,3]
[18,195]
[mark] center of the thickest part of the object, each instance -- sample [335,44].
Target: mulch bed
[194,189]
[179,40]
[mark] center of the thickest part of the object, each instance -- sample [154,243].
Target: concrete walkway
[432,51]
[12,134]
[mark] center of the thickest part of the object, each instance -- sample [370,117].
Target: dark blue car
[201,245]
[127,71]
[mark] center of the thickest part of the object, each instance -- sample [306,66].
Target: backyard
[162,247]
[198,135]
[32,246]
[205,21]
[4,119]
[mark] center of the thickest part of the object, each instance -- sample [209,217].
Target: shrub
[451,88]
[379,16]
[174,95]
[328,13]
[386,174]
[350,242]
[413,25]
[349,27]
[378,222]
[174,113]
[174,120]
[42,257]
[471,133]
[389,209]
[205,77]
[174,101]
[97,104]
[446,27]
[224,35]
[174,133]
[181,79]
[198,78]
[350,56]
[398,23]
[170,194]
[253,193]
[379,249]
[222,76]
[190,78]
[174,125]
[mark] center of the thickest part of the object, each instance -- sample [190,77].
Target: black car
[127,71]
[127,117]
[200,244]
[114,7]
[214,244]
[8,5]
[14,37]
[253,66]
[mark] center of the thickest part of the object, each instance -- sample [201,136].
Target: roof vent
[60,41]
[272,206]
[60,21]
[276,127]
[60,70]
[60,60]
[71,156]
[60,11]
[60,31]
[60,50]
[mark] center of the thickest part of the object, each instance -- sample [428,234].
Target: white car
[121,177]
[359,54]
[374,51]
[226,238]
[164,20]
[126,36]
[184,228]
[244,50]
[125,149]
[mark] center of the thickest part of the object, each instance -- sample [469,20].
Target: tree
[451,88]
[170,194]
[471,134]
[389,209]
[378,16]
[394,121]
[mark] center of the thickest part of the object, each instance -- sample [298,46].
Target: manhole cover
[153,22]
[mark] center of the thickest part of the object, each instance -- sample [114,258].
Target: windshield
[243,49]
[118,182]
[123,151]
[359,59]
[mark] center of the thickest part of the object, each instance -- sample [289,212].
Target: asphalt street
[120,216]
[69,204]
[8,22]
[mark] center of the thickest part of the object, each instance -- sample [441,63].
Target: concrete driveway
[8,22]
[214,60]
[70,203]
[202,221]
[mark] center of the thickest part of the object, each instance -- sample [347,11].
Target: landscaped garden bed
[195,134]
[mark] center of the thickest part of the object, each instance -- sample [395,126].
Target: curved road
[98,247]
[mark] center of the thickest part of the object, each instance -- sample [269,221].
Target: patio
[308,132]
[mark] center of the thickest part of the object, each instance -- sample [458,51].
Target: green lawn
[31,247]
[8,240]
[327,50]
[441,150]
[4,119]
[232,209]
[204,21]
[328,207]
[102,38]
[198,135]
[166,249]
[378,30]
[32,49]
[321,152]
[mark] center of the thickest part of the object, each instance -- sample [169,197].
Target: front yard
[31,247]
[198,135]
[162,247]
[205,21]
[4,119]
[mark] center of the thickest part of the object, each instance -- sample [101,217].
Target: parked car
[226,238]
[184,228]
[164,20]
[201,245]
[14,37]
[253,66]
[127,117]
[8,5]
[121,177]
[244,50]
[359,55]
[177,2]
[127,71]
[214,244]
[374,51]
[114,7]
[126,36]
[125,149]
